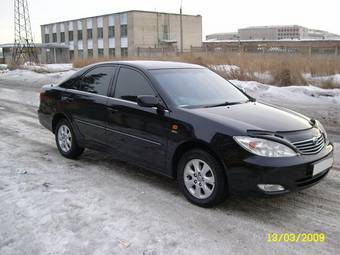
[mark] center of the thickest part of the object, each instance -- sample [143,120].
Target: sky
[218,15]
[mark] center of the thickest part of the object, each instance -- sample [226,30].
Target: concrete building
[48,53]
[223,36]
[290,32]
[273,32]
[124,33]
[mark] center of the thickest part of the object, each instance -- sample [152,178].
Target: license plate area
[322,166]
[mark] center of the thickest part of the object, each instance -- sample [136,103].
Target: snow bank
[22,76]
[302,94]
[318,80]
[225,68]
[3,67]
[49,68]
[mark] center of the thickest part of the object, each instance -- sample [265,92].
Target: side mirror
[147,101]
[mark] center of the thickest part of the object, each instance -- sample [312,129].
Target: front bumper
[293,174]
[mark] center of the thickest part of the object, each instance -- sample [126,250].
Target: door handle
[67,98]
[112,110]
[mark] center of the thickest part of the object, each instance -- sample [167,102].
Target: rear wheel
[66,140]
[201,178]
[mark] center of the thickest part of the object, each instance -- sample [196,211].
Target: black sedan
[186,122]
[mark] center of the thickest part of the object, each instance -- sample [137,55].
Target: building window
[89,34]
[100,32]
[123,31]
[80,53]
[62,37]
[111,31]
[165,31]
[71,54]
[70,36]
[54,37]
[80,35]
[112,52]
[47,38]
[100,52]
[90,53]
[124,52]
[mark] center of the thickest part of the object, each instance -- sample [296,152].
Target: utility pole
[24,50]
[181,24]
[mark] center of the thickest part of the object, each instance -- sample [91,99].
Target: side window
[71,83]
[97,81]
[131,84]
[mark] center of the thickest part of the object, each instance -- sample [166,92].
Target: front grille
[310,146]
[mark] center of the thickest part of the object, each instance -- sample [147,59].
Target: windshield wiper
[224,104]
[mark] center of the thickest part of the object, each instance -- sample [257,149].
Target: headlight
[321,128]
[264,147]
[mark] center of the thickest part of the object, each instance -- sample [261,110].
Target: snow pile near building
[49,68]
[3,68]
[21,76]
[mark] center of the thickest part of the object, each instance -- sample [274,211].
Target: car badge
[315,140]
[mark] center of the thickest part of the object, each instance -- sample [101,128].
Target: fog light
[270,187]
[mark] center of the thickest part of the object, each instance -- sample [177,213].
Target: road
[97,205]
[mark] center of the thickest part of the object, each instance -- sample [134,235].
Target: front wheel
[66,140]
[201,178]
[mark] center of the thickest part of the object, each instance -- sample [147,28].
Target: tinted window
[71,83]
[131,84]
[197,87]
[97,81]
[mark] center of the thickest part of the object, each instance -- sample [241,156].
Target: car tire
[201,178]
[66,140]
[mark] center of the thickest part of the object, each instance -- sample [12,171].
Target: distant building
[48,53]
[223,36]
[290,32]
[121,34]
[273,33]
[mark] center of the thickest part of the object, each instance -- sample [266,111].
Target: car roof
[152,65]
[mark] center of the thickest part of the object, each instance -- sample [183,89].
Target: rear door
[139,132]
[90,114]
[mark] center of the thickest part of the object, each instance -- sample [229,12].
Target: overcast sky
[218,15]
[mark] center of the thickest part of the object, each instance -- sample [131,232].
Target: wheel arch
[190,145]
[56,118]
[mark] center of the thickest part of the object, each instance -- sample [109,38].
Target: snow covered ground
[97,205]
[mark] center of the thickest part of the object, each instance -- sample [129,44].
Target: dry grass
[329,84]
[284,69]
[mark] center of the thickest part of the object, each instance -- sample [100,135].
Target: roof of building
[278,26]
[154,65]
[38,45]
[114,13]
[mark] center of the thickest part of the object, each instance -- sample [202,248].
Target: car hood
[255,116]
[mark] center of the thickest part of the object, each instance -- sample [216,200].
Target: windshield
[197,87]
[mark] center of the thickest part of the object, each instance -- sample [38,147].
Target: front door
[139,132]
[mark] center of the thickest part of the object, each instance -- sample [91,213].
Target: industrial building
[48,53]
[124,33]
[273,33]
[223,36]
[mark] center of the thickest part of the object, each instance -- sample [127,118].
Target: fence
[312,47]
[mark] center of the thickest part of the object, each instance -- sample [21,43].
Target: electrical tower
[24,50]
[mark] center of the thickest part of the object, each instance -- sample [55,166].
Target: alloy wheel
[199,179]
[65,138]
